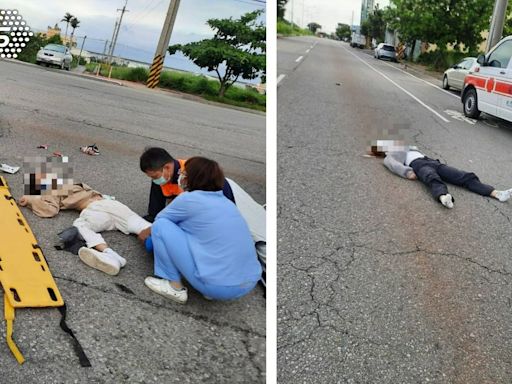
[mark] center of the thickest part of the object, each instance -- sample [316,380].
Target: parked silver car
[385,51]
[454,77]
[55,54]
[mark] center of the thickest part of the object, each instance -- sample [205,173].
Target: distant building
[55,30]
[367,7]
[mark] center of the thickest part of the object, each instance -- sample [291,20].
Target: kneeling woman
[202,237]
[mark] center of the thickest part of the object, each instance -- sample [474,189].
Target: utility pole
[112,39]
[292,12]
[303,26]
[498,20]
[116,33]
[81,49]
[163,44]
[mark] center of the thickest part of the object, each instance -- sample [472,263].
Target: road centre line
[280,78]
[425,81]
[399,87]
[299,59]
[309,50]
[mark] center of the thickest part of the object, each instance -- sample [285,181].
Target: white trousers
[107,215]
[255,216]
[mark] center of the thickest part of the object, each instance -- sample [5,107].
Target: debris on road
[42,146]
[90,150]
[9,169]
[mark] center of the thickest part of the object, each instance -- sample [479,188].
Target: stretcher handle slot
[52,294]
[15,294]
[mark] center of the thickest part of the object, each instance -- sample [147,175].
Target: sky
[141,26]
[327,13]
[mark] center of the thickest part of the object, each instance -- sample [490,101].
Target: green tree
[29,52]
[280,8]
[238,48]
[55,39]
[343,31]
[75,23]
[313,27]
[365,28]
[507,28]
[377,24]
[441,22]
[67,18]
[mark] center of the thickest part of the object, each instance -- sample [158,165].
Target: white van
[488,85]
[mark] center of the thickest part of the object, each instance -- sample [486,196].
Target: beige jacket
[48,205]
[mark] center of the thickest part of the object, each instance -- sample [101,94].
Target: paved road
[378,283]
[131,335]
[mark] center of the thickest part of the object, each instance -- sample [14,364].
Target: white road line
[299,59]
[309,50]
[425,81]
[280,78]
[399,87]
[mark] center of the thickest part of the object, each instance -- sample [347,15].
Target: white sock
[446,200]
[503,195]
[111,252]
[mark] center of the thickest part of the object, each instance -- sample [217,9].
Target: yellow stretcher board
[24,273]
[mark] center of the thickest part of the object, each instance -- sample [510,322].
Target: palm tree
[74,24]
[67,18]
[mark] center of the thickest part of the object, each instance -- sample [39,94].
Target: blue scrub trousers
[173,259]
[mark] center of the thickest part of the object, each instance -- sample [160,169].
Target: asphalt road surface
[379,283]
[130,334]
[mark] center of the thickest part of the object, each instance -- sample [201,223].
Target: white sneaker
[504,195]
[99,260]
[163,287]
[446,200]
[116,255]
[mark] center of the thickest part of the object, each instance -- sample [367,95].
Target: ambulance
[488,85]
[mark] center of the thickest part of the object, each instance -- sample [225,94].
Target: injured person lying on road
[98,213]
[408,162]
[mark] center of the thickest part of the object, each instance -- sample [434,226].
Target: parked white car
[55,54]
[488,87]
[385,51]
[454,77]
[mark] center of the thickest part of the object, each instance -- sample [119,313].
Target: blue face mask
[160,181]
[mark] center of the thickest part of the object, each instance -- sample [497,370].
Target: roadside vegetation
[188,83]
[285,28]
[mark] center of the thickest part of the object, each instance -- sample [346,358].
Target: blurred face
[163,175]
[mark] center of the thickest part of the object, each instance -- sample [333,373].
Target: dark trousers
[433,174]
[157,202]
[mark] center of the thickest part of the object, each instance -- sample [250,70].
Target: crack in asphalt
[134,297]
[317,306]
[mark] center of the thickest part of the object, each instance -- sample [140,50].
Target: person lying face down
[408,162]
[98,213]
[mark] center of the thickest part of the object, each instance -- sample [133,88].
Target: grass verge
[286,29]
[189,83]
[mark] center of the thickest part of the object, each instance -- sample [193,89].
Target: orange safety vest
[171,189]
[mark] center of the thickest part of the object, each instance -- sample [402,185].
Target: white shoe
[504,195]
[99,260]
[446,200]
[111,252]
[163,287]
